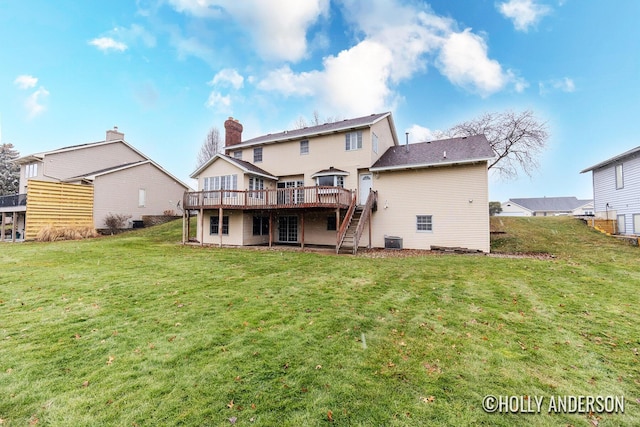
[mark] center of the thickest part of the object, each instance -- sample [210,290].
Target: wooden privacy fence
[57,204]
[605,225]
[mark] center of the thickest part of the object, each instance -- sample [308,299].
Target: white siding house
[616,190]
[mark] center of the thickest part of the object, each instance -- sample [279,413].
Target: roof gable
[42,155]
[91,176]
[435,153]
[242,164]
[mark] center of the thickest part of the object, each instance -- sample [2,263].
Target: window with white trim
[31,170]
[260,225]
[353,140]
[619,177]
[257,155]
[636,223]
[237,154]
[224,182]
[214,226]
[304,147]
[374,142]
[256,183]
[330,180]
[424,223]
[142,197]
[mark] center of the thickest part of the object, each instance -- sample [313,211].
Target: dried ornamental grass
[52,233]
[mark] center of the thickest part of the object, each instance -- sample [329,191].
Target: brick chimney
[114,135]
[232,132]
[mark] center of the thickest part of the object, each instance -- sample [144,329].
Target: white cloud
[278,32]
[107,44]
[397,41]
[228,76]
[25,81]
[523,13]
[218,101]
[463,60]
[564,84]
[419,133]
[34,103]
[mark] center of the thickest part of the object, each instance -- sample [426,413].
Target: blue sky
[166,71]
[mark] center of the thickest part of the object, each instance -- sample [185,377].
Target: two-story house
[616,190]
[81,185]
[349,183]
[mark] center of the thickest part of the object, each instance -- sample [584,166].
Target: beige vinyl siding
[81,161]
[59,205]
[385,139]
[284,159]
[247,230]
[222,167]
[235,228]
[456,197]
[24,178]
[118,193]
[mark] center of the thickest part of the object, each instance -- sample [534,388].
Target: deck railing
[13,200]
[279,198]
[370,205]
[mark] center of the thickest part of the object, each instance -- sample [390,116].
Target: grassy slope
[138,330]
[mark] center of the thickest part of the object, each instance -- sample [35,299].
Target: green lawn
[138,330]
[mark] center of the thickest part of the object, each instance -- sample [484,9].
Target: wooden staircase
[349,244]
[353,224]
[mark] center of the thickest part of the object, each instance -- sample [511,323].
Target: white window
[330,180]
[622,229]
[31,170]
[214,225]
[374,142]
[353,140]
[304,147]
[424,223]
[142,197]
[237,154]
[619,177]
[256,183]
[224,182]
[257,155]
[636,223]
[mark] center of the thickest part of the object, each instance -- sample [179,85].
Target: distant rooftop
[550,204]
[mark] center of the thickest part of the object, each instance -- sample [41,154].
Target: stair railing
[372,201]
[345,222]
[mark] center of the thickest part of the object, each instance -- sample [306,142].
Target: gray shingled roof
[326,128]
[550,204]
[247,166]
[435,153]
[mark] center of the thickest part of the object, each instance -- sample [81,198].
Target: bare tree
[517,139]
[316,120]
[211,146]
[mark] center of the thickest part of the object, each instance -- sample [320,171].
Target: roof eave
[429,165]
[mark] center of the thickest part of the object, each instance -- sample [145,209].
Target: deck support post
[220,221]
[201,221]
[2,227]
[270,228]
[14,225]
[302,225]
[337,227]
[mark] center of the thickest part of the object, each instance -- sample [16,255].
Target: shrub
[115,222]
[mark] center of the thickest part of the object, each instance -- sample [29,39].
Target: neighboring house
[80,185]
[348,184]
[547,206]
[616,190]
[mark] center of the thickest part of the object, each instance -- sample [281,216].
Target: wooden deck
[280,198]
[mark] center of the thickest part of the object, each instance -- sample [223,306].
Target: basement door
[365,187]
[288,228]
